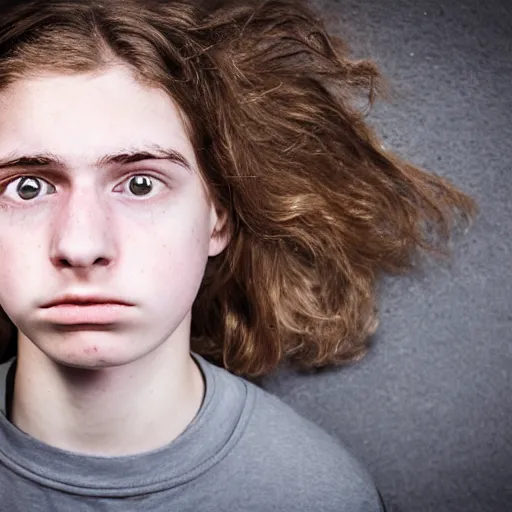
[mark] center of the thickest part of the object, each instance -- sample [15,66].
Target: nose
[82,235]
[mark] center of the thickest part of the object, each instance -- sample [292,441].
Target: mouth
[73,310]
[84,301]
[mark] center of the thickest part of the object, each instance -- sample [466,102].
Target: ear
[220,235]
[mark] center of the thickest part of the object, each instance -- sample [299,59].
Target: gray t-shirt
[244,451]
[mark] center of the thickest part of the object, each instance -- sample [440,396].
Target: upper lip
[85,300]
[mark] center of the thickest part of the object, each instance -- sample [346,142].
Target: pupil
[140,185]
[28,188]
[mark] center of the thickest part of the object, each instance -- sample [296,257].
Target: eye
[27,188]
[142,184]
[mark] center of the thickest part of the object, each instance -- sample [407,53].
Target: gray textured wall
[429,410]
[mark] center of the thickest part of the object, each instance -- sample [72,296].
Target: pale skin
[130,386]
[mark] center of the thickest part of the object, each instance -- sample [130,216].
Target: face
[101,197]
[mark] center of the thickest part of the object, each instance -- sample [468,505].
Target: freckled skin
[92,233]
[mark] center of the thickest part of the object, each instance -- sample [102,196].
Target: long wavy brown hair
[318,210]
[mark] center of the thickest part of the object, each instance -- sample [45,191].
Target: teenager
[188,196]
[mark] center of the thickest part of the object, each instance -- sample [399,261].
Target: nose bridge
[81,228]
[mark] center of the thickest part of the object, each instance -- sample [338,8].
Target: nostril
[66,263]
[101,261]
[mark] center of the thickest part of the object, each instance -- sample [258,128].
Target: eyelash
[6,183]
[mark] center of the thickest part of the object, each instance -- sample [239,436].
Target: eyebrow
[154,152]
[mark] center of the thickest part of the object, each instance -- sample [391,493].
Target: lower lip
[72,314]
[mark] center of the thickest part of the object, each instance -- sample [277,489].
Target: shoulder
[302,463]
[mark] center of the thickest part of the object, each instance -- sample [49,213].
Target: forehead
[81,117]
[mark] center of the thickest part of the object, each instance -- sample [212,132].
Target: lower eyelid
[48,183]
[5,185]
[157,182]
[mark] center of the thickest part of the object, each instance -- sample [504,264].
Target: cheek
[20,253]
[172,261]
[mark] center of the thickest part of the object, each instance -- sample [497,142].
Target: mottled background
[429,410]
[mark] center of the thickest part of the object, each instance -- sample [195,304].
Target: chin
[89,359]
[93,362]
[90,350]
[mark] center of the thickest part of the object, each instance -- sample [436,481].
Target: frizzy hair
[317,210]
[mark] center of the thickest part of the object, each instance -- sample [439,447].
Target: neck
[116,411]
